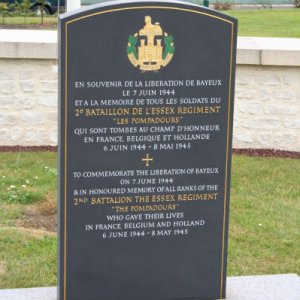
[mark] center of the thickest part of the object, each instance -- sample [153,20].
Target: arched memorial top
[117,6]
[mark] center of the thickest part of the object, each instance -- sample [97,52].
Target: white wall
[267,107]
[28,102]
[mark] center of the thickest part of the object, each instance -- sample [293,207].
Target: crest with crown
[150,48]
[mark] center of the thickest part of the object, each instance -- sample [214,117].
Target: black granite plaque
[146,108]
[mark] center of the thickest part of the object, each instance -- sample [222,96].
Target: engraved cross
[147,159]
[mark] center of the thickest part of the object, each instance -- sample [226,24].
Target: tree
[25,7]
[15,7]
[3,11]
[42,9]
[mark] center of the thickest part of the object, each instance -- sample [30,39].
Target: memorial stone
[146,110]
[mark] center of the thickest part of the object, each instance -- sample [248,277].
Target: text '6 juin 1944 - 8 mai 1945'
[146,110]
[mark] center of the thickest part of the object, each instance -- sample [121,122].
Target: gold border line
[226,163]
[148,7]
[66,155]
[66,115]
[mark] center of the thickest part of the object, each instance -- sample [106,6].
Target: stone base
[266,287]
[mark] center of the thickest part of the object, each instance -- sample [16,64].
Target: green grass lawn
[264,218]
[268,22]
[27,177]
[27,256]
[9,20]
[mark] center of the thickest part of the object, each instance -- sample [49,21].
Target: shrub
[222,6]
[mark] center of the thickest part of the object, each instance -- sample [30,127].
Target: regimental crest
[151,48]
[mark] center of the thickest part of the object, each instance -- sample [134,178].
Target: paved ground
[268,287]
